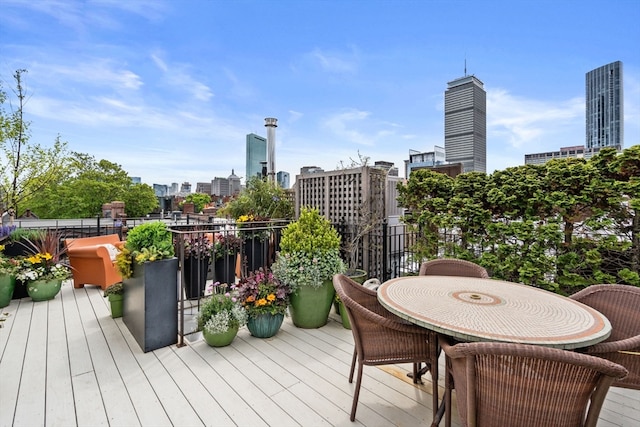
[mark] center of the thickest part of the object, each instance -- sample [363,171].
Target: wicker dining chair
[452,267]
[382,338]
[621,305]
[521,385]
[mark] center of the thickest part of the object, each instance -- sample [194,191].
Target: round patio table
[475,309]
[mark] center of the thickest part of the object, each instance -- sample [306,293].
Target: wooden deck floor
[66,362]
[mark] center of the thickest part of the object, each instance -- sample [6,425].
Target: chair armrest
[627,344]
[96,251]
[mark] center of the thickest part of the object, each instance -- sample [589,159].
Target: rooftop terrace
[66,362]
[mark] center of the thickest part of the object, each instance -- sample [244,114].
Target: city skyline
[170,91]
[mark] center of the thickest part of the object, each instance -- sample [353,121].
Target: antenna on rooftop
[465,65]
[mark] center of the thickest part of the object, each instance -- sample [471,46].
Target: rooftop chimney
[271,124]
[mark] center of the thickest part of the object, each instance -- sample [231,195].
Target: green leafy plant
[46,260]
[221,312]
[262,293]
[115,289]
[226,244]
[309,251]
[8,266]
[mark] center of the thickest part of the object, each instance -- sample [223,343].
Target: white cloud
[521,121]
[177,75]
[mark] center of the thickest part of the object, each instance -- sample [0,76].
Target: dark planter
[195,276]
[225,268]
[256,253]
[150,308]
[265,325]
[17,249]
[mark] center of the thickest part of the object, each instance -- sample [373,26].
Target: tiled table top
[474,309]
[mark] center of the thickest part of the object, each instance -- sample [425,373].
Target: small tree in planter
[309,257]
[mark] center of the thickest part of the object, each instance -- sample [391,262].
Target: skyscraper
[256,155]
[605,115]
[465,124]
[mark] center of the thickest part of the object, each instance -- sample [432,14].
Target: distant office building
[161,190]
[423,160]
[575,152]
[465,123]
[220,187]
[283,179]
[173,189]
[605,112]
[256,152]
[234,184]
[185,188]
[387,167]
[203,187]
[310,169]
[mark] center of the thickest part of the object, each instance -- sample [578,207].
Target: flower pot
[344,316]
[7,285]
[225,268]
[150,309]
[195,276]
[115,301]
[43,290]
[357,275]
[265,325]
[222,339]
[310,306]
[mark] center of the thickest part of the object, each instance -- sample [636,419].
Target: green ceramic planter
[220,340]
[7,285]
[344,316]
[265,325]
[44,290]
[116,305]
[310,306]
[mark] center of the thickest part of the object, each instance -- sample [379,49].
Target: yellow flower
[261,302]
[271,297]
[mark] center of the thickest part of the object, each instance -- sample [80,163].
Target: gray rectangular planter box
[150,309]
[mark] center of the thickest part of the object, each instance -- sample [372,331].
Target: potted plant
[220,316]
[266,300]
[8,270]
[43,270]
[226,247]
[253,209]
[15,247]
[149,271]
[309,257]
[197,254]
[115,294]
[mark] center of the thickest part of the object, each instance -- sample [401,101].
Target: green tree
[199,200]
[25,168]
[89,184]
[262,199]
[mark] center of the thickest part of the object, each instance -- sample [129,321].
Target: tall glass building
[256,155]
[605,112]
[465,124]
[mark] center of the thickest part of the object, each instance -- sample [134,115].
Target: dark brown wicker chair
[382,338]
[621,305]
[452,267]
[519,385]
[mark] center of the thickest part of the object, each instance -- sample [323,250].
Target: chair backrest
[525,385]
[452,267]
[379,335]
[621,305]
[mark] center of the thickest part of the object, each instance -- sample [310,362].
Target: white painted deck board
[94,373]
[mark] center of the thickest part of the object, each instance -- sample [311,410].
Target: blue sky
[169,89]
